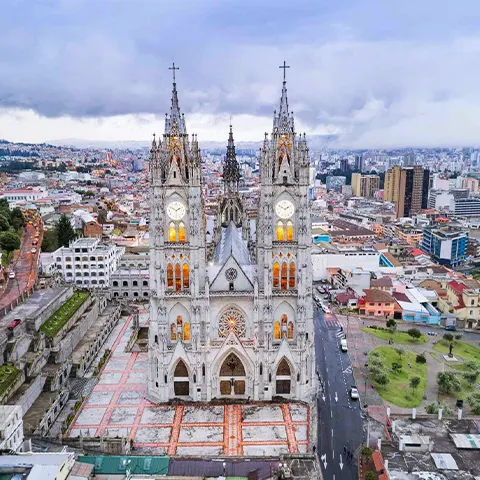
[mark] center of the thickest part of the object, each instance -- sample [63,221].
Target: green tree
[9,241]
[366,452]
[448,337]
[396,367]
[391,325]
[50,240]
[400,351]
[16,218]
[4,205]
[65,231]
[421,358]
[448,382]
[415,333]
[381,378]
[4,223]
[474,401]
[414,382]
[369,475]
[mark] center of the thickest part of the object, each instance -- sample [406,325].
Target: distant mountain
[314,142]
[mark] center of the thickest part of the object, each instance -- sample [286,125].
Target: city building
[335,183]
[365,185]
[23,194]
[359,163]
[408,189]
[409,235]
[471,184]
[11,427]
[446,246]
[87,262]
[467,207]
[344,167]
[376,303]
[236,322]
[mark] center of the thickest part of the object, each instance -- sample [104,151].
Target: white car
[11,275]
[354,393]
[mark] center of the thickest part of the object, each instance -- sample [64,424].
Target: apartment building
[445,245]
[11,427]
[87,262]
[365,185]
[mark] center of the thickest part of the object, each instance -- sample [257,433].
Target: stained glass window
[232,320]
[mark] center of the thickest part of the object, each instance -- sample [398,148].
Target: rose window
[232,320]
[231,274]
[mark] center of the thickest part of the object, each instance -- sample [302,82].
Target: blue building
[446,246]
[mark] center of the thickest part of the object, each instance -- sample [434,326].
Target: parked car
[354,393]
[343,345]
[14,323]
[11,275]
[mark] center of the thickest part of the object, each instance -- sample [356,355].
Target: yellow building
[365,185]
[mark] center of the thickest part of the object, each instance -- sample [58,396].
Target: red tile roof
[457,286]
[379,296]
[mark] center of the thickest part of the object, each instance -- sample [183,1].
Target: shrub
[420,358]
[474,401]
[414,382]
[471,376]
[391,323]
[375,354]
[400,351]
[448,382]
[458,337]
[434,407]
[396,367]
[381,378]
[415,333]
[369,475]
[448,337]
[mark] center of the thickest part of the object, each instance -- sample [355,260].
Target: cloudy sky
[379,73]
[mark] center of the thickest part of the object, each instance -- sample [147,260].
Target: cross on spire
[284,66]
[173,67]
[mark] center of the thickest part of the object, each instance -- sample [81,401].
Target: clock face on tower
[176,210]
[284,209]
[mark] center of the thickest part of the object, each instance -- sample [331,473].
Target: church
[233,319]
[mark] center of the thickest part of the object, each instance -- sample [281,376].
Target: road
[25,269]
[340,421]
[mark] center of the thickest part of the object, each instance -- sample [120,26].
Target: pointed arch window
[181,232]
[173,332]
[178,278]
[276,275]
[290,331]
[180,327]
[291,275]
[280,231]
[284,325]
[276,331]
[284,282]
[169,275]
[289,231]
[186,276]
[186,332]
[172,232]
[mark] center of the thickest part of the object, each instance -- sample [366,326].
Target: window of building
[276,275]
[115,283]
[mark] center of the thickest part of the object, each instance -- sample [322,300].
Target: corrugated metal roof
[136,464]
[462,440]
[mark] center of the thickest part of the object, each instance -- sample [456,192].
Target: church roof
[232,243]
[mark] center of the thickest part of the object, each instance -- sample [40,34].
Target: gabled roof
[382,282]
[457,286]
[232,243]
[374,295]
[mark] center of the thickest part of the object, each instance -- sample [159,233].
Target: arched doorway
[283,378]
[232,376]
[181,382]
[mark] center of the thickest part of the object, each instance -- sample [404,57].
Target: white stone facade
[87,262]
[239,324]
[11,427]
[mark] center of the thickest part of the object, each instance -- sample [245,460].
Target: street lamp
[225,469]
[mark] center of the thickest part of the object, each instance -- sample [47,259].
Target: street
[340,422]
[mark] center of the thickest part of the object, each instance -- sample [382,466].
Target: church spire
[231,169]
[283,123]
[175,123]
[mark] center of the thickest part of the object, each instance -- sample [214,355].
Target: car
[14,323]
[354,393]
[11,275]
[34,250]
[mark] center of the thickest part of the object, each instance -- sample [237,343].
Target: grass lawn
[56,322]
[398,391]
[397,337]
[8,376]
[462,350]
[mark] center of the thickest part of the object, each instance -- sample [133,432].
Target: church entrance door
[232,376]
[283,381]
[181,382]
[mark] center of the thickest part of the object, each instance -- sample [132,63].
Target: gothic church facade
[240,324]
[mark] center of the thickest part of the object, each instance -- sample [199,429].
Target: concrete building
[87,262]
[23,194]
[446,246]
[359,163]
[365,185]
[467,207]
[11,427]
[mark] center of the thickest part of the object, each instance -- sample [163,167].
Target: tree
[458,336]
[16,218]
[366,452]
[369,475]
[448,337]
[50,240]
[391,325]
[9,241]
[421,358]
[414,382]
[396,367]
[415,333]
[65,231]
[4,223]
[448,382]
[474,401]
[4,205]
[102,216]
[400,351]
[381,378]
[471,376]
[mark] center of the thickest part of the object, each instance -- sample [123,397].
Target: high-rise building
[239,323]
[359,163]
[407,188]
[365,185]
[409,160]
[446,246]
[344,167]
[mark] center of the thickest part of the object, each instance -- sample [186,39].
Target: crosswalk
[332,323]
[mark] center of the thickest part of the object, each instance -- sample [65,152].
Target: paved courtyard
[117,406]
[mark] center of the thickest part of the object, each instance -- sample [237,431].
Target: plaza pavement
[117,406]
